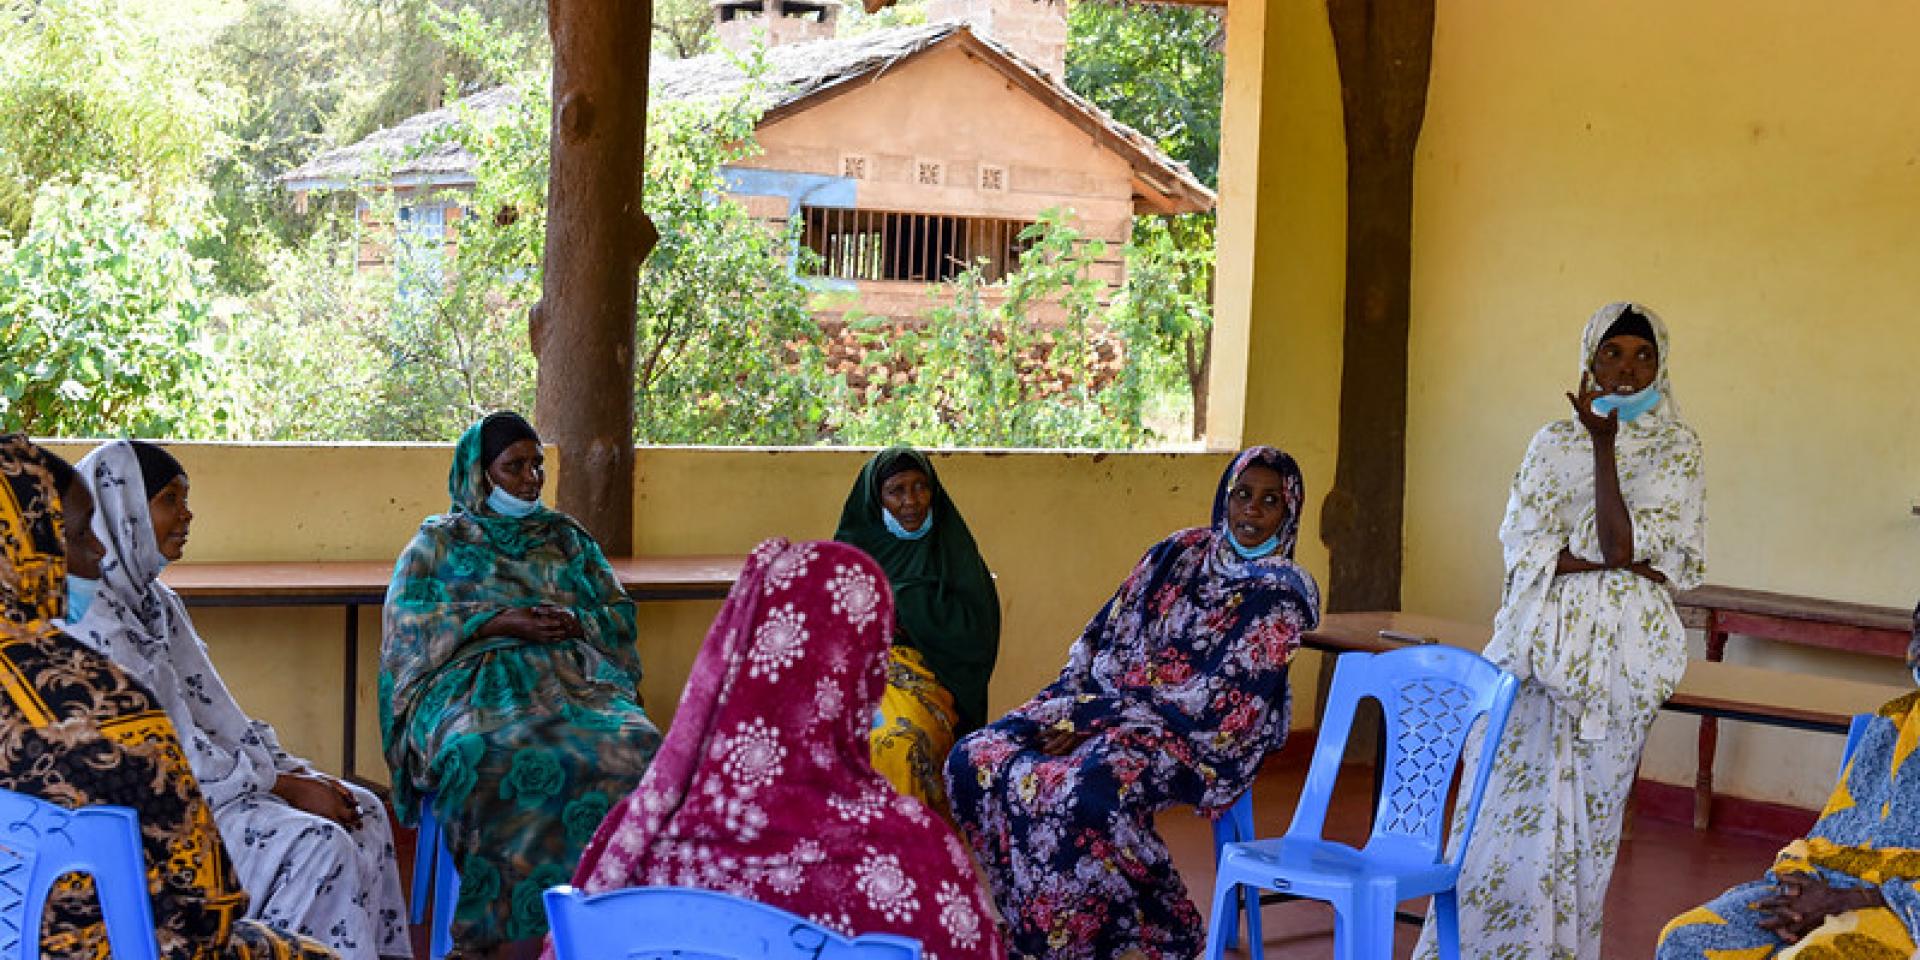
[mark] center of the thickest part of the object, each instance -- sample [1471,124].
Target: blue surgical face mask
[894,527]
[1256,551]
[80,594]
[1916,674]
[1630,406]
[508,505]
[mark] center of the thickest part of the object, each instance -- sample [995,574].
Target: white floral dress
[1597,654]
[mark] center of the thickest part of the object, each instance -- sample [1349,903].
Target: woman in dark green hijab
[948,631]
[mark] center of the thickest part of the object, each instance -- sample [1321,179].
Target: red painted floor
[1665,868]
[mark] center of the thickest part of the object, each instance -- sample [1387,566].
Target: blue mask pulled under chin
[508,505]
[80,594]
[902,533]
[1256,551]
[1631,406]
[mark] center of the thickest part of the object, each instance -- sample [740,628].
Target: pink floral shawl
[765,787]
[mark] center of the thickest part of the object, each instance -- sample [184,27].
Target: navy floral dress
[1180,681]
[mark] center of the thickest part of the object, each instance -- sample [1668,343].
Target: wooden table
[1803,621]
[352,584]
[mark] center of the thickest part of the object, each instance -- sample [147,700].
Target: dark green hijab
[942,591]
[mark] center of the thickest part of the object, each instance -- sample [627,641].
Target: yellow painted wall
[1060,531]
[1282,236]
[1752,171]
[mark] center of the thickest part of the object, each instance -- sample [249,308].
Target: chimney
[1034,29]
[741,24]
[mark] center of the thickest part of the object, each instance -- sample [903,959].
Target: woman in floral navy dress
[1172,695]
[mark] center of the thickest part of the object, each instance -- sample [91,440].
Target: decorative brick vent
[993,178]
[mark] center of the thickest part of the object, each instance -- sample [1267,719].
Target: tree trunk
[1385,51]
[1199,375]
[582,328]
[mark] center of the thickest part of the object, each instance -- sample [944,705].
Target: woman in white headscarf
[315,853]
[1605,521]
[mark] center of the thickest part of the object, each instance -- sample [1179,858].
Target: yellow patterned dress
[75,731]
[1868,836]
[914,729]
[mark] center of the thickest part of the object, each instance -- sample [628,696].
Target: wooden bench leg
[1709,740]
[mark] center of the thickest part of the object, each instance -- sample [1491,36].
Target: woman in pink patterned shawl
[765,787]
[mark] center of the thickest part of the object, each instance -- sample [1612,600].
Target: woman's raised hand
[1599,427]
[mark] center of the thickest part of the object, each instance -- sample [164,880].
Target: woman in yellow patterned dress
[76,731]
[947,632]
[1848,890]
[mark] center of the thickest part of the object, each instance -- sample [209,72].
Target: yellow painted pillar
[1282,260]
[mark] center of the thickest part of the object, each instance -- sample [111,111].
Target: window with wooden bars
[914,247]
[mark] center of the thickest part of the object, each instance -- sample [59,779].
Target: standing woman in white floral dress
[1605,521]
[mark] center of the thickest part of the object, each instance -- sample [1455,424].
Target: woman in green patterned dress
[509,685]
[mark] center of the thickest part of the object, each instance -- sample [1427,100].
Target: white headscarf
[1596,332]
[142,625]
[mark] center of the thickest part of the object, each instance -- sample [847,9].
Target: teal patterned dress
[522,745]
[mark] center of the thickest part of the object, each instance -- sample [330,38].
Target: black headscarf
[157,466]
[500,431]
[942,591]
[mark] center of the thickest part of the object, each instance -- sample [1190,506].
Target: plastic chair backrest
[1855,731]
[1430,697]
[649,922]
[40,842]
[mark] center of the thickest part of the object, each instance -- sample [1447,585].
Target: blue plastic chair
[41,842]
[433,870]
[1430,697]
[1236,826]
[676,922]
[1855,731]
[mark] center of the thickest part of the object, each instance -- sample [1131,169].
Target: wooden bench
[1708,689]
[352,584]
[1804,621]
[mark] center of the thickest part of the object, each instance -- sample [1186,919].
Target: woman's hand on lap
[1060,741]
[320,796]
[1803,903]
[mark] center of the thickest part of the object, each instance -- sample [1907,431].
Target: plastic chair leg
[1446,913]
[1224,927]
[426,840]
[1363,925]
[446,893]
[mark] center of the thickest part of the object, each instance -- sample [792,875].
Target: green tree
[1165,312]
[105,317]
[87,87]
[425,59]
[305,75]
[1159,69]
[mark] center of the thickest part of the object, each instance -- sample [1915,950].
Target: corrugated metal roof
[408,152]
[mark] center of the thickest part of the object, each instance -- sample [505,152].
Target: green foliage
[86,87]
[305,76]
[420,58]
[1158,69]
[104,317]
[1165,314]
[682,28]
[855,20]
[1008,364]
[308,369]
[727,351]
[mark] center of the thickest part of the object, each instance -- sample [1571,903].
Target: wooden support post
[583,327]
[1384,49]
